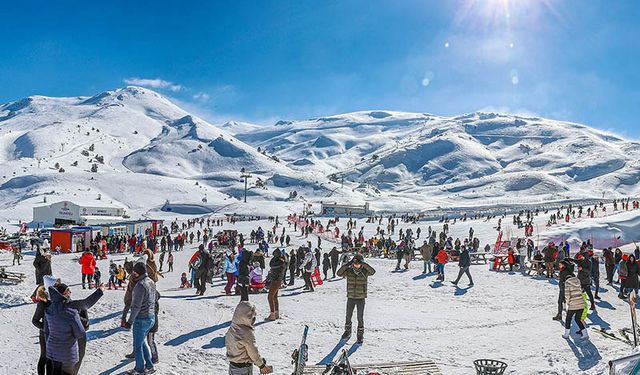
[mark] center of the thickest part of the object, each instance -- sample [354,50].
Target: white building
[345,209]
[66,212]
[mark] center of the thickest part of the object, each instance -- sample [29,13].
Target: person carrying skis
[464,262]
[240,342]
[357,273]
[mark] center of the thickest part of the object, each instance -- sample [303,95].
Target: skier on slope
[357,273]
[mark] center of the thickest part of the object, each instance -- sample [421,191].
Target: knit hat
[140,268]
[358,258]
[62,288]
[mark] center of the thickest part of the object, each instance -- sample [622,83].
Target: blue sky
[261,61]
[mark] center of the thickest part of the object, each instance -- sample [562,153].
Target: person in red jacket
[88,262]
[442,259]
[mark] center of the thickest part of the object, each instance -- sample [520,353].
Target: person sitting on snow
[255,278]
[184,283]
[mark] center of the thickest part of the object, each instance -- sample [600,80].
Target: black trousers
[244,292]
[88,278]
[609,268]
[44,365]
[353,303]
[560,300]
[59,368]
[576,314]
[596,283]
[307,280]
[334,267]
[463,271]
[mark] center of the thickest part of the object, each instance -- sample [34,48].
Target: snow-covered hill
[480,156]
[131,146]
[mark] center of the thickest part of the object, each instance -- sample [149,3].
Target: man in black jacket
[566,268]
[464,262]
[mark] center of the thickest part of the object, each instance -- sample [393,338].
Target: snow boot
[557,317]
[585,334]
[131,355]
[360,335]
[277,315]
[566,334]
[271,317]
[347,332]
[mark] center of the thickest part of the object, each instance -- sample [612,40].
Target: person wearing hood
[274,278]
[575,304]
[240,342]
[357,273]
[584,274]
[142,319]
[63,328]
[42,302]
[244,268]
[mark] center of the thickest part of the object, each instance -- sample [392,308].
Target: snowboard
[300,355]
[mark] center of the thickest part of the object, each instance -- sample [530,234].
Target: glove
[126,325]
[266,370]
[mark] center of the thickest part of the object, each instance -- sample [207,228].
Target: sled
[15,277]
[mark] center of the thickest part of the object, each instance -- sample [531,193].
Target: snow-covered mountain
[131,146]
[135,148]
[475,156]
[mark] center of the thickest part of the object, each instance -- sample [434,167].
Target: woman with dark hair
[276,273]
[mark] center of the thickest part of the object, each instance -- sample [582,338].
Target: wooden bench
[400,368]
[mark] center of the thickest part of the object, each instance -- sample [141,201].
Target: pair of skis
[624,335]
[340,366]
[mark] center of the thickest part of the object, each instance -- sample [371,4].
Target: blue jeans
[141,328]
[426,263]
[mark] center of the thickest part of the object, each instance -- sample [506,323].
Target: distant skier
[357,273]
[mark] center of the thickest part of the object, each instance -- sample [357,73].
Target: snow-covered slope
[146,150]
[476,156]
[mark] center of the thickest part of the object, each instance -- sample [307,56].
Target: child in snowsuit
[184,283]
[96,277]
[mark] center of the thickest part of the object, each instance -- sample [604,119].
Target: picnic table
[476,258]
[500,261]
[536,266]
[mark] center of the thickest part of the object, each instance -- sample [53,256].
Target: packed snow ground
[505,316]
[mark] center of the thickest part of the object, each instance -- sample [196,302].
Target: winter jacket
[229,265]
[276,267]
[425,251]
[548,254]
[442,257]
[608,257]
[143,299]
[244,267]
[622,268]
[356,279]
[335,256]
[309,261]
[255,276]
[584,271]
[63,329]
[465,259]
[240,339]
[573,293]
[88,262]
[632,275]
[43,267]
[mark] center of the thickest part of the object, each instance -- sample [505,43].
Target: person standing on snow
[88,262]
[277,267]
[357,273]
[441,260]
[425,251]
[334,254]
[240,342]
[142,319]
[575,304]
[565,269]
[464,262]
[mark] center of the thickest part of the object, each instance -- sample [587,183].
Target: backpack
[197,262]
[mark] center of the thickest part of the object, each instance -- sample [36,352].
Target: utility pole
[246,176]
